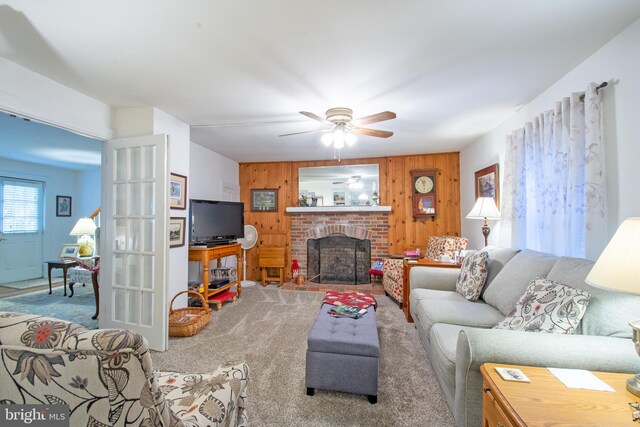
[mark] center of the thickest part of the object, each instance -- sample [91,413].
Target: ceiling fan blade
[375,118]
[298,133]
[313,116]
[373,132]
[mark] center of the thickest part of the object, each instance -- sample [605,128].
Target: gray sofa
[458,338]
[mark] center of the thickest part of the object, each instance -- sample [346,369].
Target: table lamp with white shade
[85,227]
[618,269]
[486,209]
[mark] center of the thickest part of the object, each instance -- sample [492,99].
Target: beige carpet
[268,328]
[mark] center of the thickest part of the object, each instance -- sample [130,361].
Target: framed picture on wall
[488,183]
[63,205]
[177,227]
[178,191]
[264,200]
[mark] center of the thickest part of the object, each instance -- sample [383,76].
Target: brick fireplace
[373,226]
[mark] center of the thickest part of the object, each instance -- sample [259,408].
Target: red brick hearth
[360,225]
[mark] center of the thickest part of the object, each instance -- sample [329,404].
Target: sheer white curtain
[554,193]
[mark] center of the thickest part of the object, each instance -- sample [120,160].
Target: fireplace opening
[338,258]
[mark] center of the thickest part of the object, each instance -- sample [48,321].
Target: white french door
[134,251]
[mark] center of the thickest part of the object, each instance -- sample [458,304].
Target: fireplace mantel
[337,209]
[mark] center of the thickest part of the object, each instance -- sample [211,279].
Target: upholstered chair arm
[216,399]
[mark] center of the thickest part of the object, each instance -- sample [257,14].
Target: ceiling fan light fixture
[350,138]
[327,139]
[338,137]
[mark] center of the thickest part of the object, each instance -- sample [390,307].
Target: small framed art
[177,227]
[339,198]
[178,191]
[488,183]
[63,205]
[69,251]
[264,200]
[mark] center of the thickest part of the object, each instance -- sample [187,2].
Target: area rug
[33,283]
[78,309]
[268,328]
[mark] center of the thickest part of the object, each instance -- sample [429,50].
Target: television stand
[205,255]
[217,243]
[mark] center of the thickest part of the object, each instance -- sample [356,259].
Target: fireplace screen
[338,259]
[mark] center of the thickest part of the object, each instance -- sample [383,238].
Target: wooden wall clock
[423,192]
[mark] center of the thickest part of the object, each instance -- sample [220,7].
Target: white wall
[57,182]
[178,133]
[210,171]
[617,62]
[33,95]
[89,186]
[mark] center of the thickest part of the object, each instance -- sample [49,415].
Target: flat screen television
[215,222]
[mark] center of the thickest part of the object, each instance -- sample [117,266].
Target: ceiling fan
[343,128]
[351,180]
[341,118]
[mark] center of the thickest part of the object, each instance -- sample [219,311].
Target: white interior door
[134,247]
[20,229]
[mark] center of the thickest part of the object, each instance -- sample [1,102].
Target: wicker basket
[188,321]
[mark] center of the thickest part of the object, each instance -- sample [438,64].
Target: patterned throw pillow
[473,275]
[547,306]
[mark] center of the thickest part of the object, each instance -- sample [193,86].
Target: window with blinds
[20,205]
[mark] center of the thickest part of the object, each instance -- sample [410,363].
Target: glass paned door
[134,264]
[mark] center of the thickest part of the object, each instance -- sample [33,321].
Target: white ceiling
[451,70]
[33,142]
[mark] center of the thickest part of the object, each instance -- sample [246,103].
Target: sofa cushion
[609,312]
[420,294]
[514,278]
[547,306]
[473,274]
[457,312]
[498,258]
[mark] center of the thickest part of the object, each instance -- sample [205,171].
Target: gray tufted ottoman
[342,354]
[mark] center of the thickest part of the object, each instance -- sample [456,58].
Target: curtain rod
[600,86]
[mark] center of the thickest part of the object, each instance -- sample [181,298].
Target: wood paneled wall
[405,232]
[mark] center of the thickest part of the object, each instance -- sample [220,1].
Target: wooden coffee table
[546,401]
[408,265]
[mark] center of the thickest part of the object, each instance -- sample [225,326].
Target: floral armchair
[393,270]
[106,377]
[445,245]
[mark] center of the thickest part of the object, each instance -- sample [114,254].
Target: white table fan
[247,242]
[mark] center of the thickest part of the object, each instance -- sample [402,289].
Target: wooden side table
[546,401]
[64,264]
[408,265]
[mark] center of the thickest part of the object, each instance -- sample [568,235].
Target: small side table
[64,264]
[547,401]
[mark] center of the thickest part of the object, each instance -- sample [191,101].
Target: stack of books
[412,254]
